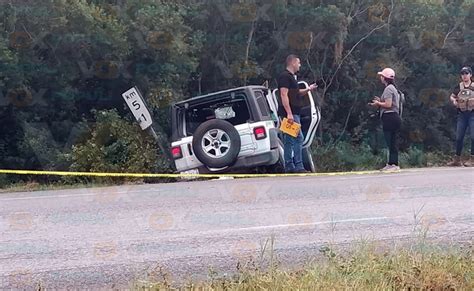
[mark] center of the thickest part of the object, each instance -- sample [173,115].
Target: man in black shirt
[463,98]
[292,100]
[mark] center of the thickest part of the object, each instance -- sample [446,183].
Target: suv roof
[221,92]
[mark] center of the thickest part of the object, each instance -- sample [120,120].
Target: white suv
[235,131]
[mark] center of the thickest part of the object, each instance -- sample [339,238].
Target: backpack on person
[401,101]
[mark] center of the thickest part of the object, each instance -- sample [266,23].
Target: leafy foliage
[62,62]
[116,145]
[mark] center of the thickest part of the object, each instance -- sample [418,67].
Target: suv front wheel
[216,143]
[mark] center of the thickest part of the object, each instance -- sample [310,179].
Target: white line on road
[277,226]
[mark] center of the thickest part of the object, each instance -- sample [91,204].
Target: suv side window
[262,104]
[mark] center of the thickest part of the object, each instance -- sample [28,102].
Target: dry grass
[364,268]
[34,186]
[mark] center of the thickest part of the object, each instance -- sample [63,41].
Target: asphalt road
[109,237]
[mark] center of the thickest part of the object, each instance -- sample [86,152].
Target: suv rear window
[233,109]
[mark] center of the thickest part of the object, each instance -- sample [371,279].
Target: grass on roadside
[365,268]
[66,183]
[35,186]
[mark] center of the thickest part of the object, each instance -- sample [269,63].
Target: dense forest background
[65,63]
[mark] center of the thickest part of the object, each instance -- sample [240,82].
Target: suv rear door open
[310,113]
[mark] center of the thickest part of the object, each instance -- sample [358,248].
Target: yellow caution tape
[145,175]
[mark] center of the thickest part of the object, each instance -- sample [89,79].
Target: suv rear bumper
[266,159]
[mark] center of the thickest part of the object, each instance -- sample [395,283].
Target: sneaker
[391,168]
[395,168]
[387,166]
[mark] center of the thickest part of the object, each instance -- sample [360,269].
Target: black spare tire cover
[216,143]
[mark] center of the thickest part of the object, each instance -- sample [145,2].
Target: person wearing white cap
[463,98]
[389,106]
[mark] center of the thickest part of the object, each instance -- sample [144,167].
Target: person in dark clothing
[389,105]
[292,99]
[462,97]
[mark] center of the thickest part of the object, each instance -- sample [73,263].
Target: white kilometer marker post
[135,102]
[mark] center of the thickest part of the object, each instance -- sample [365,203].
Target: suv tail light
[176,152]
[260,133]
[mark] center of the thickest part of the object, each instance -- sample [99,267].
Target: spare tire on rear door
[216,143]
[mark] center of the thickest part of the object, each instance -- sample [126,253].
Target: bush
[414,157]
[40,147]
[346,157]
[117,145]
